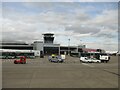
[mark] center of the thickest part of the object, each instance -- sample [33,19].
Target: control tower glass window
[48,38]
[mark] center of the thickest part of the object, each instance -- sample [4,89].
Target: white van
[104,58]
[89,60]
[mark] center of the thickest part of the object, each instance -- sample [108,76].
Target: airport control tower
[49,47]
[48,38]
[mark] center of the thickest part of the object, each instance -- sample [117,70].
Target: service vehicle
[7,55]
[103,57]
[85,59]
[21,61]
[89,60]
[63,57]
[12,54]
[56,59]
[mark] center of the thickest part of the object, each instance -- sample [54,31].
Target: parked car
[94,60]
[21,61]
[83,59]
[56,59]
[89,60]
[103,57]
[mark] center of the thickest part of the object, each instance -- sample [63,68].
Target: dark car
[56,59]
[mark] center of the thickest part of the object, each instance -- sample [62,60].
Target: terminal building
[47,46]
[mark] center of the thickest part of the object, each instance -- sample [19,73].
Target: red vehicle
[21,61]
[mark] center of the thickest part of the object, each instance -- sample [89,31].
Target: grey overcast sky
[94,24]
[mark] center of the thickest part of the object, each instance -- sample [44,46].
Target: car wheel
[15,62]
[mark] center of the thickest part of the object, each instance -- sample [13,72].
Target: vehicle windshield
[94,59]
[86,58]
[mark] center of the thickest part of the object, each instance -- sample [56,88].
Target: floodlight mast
[69,46]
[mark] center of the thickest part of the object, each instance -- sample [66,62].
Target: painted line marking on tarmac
[88,65]
[111,72]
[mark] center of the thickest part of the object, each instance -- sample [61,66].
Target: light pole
[69,46]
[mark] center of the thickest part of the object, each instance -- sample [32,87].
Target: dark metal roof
[48,34]
[13,43]
[89,50]
[16,45]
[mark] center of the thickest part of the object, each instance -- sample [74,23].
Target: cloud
[30,20]
[106,33]
[108,21]
[95,25]
[81,29]
[60,0]
[106,18]
[107,47]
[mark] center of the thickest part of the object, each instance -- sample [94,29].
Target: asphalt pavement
[40,73]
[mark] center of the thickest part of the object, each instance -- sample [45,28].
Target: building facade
[47,46]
